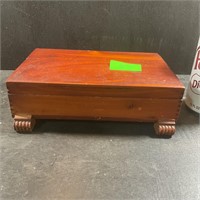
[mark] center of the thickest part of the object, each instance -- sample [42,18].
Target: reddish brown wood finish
[71,84]
[24,123]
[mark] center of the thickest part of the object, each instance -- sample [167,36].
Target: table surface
[99,160]
[79,67]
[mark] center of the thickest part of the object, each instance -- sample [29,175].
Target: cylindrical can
[192,99]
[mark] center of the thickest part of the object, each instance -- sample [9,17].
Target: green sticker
[122,66]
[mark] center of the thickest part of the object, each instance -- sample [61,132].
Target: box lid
[84,71]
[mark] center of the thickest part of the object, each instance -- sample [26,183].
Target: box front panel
[97,108]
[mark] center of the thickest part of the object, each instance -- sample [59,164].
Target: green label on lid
[122,66]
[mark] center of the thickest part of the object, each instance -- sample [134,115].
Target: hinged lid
[81,72]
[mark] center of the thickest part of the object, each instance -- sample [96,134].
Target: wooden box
[78,84]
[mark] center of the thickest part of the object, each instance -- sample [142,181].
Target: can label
[193,91]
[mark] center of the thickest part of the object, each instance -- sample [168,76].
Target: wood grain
[99,108]
[106,91]
[92,68]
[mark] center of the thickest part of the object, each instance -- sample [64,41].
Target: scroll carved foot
[165,128]
[24,123]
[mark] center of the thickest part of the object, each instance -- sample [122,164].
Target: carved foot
[165,128]
[24,123]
